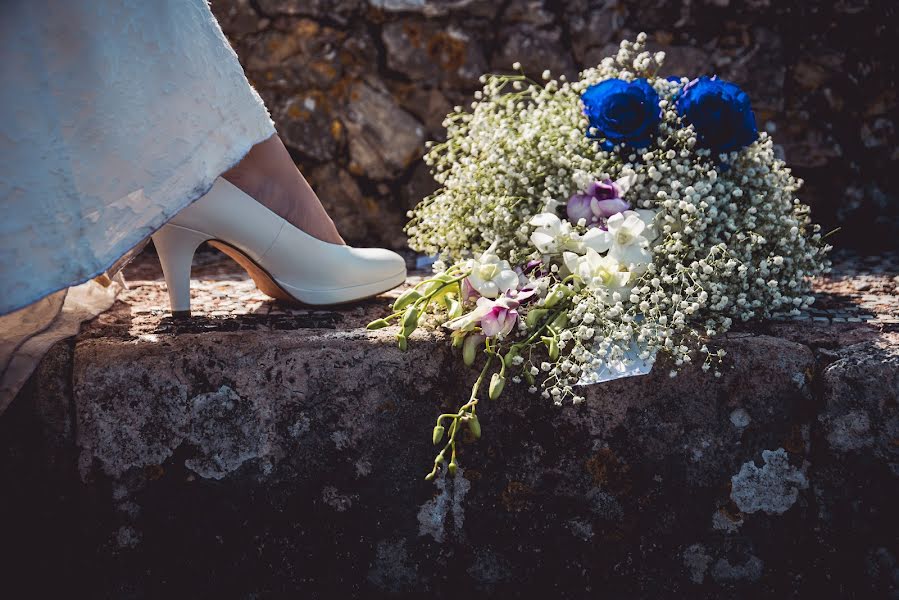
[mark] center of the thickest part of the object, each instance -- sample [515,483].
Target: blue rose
[623,112]
[719,112]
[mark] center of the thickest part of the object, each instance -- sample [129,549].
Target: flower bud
[444,277]
[557,293]
[406,298]
[470,348]
[410,320]
[475,426]
[438,434]
[378,324]
[510,356]
[402,343]
[451,468]
[497,383]
[528,377]
[430,476]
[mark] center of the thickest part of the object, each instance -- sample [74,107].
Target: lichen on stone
[773,488]
[433,513]
[336,500]
[725,572]
[740,418]
[697,561]
[490,568]
[227,430]
[850,431]
[392,570]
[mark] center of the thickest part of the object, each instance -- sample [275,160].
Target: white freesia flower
[602,274]
[554,235]
[491,276]
[625,240]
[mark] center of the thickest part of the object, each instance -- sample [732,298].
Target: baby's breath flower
[701,247]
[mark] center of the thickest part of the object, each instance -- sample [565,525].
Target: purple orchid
[501,318]
[579,208]
[493,316]
[601,200]
[525,294]
[532,265]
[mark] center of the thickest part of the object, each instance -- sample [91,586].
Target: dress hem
[194,196]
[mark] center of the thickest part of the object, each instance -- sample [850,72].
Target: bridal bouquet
[585,229]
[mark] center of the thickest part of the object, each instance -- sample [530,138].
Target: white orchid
[469,321]
[602,274]
[649,217]
[493,316]
[625,239]
[554,235]
[491,276]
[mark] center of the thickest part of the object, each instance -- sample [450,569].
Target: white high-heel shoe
[284,261]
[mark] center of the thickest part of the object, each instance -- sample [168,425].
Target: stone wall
[261,450]
[357,86]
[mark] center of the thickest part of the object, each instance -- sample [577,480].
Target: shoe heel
[176,246]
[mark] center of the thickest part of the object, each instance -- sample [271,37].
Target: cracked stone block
[861,391]
[283,447]
[434,8]
[428,51]
[340,9]
[358,216]
[383,138]
[536,50]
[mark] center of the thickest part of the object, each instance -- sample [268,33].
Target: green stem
[425,301]
[539,330]
[454,428]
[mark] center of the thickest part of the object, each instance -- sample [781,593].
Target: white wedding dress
[116,115]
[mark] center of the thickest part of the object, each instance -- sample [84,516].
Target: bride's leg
[268,174]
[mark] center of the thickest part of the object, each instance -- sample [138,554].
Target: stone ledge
[261,449]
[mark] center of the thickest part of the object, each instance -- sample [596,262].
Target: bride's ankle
[268,175]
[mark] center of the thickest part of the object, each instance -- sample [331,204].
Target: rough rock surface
[263,450]
[359,85]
